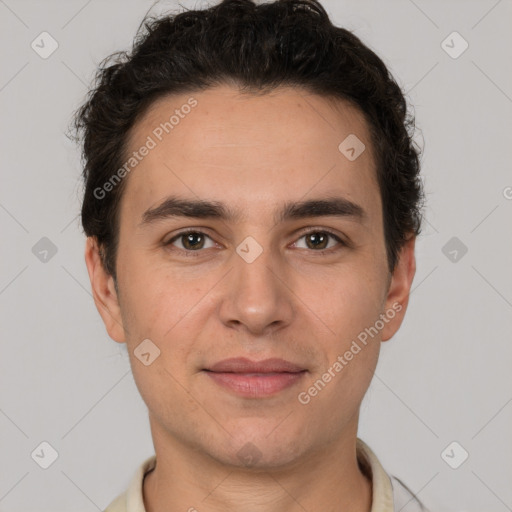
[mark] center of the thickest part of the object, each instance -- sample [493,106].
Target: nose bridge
[254,265]
[257,296]
[254,270]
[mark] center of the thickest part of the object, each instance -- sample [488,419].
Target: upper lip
[244,365]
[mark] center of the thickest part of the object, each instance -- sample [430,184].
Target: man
[252,199]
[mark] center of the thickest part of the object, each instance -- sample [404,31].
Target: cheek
[168,310]
[153,299]
[351,301]
[335,394]
[159,311]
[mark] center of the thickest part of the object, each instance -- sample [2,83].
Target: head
[286,148]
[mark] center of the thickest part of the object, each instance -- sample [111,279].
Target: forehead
[225,115]
[249,149]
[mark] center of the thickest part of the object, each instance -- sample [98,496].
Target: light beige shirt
[389,494]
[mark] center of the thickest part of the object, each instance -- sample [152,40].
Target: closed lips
[246,366]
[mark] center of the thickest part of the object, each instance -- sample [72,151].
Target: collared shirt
[389,494]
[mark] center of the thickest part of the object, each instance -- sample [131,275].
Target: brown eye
[317,240]
[320,240]
[190,241]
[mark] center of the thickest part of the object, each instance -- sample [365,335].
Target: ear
[104,292]
[399,288]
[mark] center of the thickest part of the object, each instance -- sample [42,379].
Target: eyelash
[196,253]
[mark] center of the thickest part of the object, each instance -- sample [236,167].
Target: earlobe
[104,292]
[399,289]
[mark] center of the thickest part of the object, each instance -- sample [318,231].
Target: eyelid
[319,229]
[298,235]
[186,231]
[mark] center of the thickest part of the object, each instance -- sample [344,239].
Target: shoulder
[390,494]
[132,500]
[403,496]
[118,505]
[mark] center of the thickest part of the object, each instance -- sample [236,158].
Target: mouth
[255,379]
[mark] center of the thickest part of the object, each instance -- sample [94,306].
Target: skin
[253,153]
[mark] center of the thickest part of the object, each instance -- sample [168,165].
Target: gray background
[444,377]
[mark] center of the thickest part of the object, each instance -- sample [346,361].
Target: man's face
[256,286]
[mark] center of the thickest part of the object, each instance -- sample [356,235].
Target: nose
[257,298]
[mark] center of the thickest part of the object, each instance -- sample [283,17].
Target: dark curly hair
[256,48]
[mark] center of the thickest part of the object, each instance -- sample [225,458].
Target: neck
[186,479]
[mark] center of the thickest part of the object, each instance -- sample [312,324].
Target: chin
[258,451]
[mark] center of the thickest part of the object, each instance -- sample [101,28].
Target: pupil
[317,237]
[190,240]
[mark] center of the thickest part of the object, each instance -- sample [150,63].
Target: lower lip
[256,384]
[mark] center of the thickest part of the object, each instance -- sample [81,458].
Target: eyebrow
[201,209]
